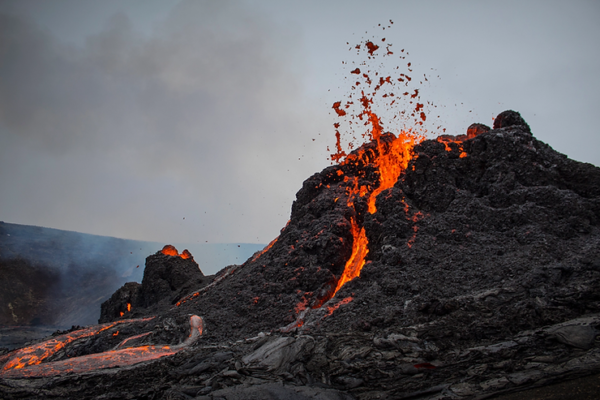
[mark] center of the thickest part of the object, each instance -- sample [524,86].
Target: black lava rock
[476,129]
[166,276]
[121,302]
[510,118]
[481,276]
[166,279]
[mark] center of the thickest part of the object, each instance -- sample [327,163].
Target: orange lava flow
[390,162]
[357,259]
[129,339]
[77,365]
[391,159]
[337,305]
[169,250]
[185,254]
[35,354]
[263,251]
[23,365]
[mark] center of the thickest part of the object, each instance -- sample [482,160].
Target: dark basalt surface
[166,279]
[482,277]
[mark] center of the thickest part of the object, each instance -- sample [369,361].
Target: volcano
[462,267]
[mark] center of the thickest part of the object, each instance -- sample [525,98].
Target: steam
[67,275]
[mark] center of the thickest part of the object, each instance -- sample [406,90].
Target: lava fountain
[392,152]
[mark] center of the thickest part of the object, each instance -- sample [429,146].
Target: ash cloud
[190,122]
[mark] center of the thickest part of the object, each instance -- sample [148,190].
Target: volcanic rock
[476,129]
[120,302]
[24,291]
[481,277]
[510,118]
[166,279]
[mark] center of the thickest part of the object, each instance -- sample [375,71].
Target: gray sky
[198,121]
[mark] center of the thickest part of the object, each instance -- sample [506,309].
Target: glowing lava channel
[27,362]
[33,355]
[357,259]
[392,158]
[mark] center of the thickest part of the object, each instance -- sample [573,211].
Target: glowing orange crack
[337,305]
[357,259]
[392,158]
[267,247]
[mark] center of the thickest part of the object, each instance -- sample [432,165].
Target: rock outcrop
[481,276]
[166,279]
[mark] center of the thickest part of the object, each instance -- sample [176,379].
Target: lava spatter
[392,153]
[170,250]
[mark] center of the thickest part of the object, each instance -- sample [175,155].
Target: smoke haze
[197,121]
[50,277]
[188,123]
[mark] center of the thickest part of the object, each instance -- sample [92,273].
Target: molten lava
[35,354]
[392,158]
[129,339]
[390,161]
[357,259]
[170,250]
[28,362]
[263,251]
[337,305]
[391,155]
[109,359]
[185,254]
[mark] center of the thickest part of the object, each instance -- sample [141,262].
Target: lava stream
[27,362]
[391,158]
[37,353]
[357,259]
[78,365]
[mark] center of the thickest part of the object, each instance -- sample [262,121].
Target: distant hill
[51,277]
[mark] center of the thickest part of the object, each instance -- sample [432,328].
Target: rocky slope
[481,276]
[167,278]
